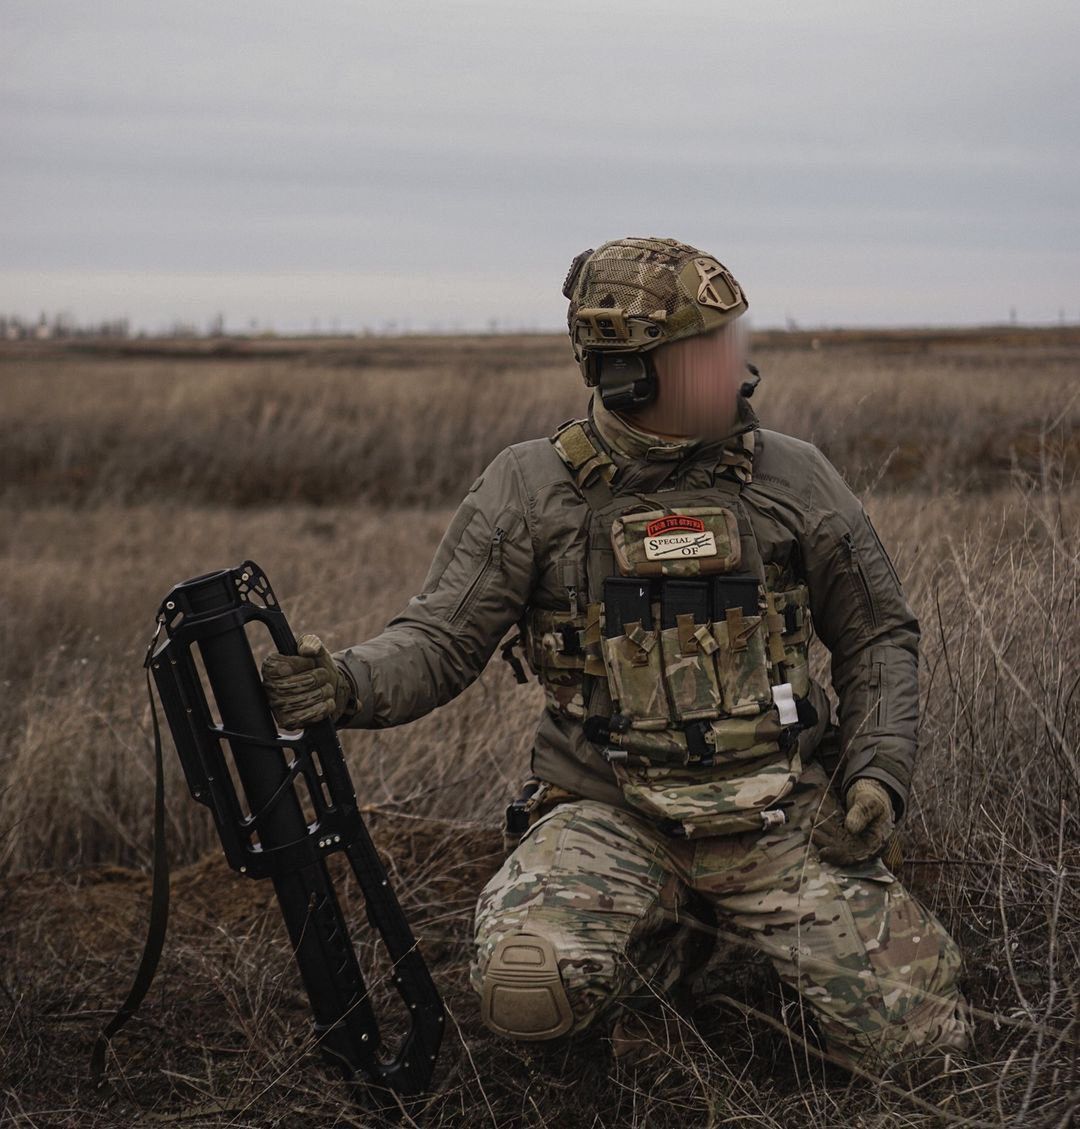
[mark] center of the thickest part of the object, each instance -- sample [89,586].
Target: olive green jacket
[520,532]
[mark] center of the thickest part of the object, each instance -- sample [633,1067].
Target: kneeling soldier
[667,560]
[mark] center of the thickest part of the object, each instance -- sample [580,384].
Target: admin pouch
[686,666]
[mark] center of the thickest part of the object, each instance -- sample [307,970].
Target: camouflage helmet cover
[633,294]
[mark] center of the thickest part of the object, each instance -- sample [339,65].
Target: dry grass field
[126,467]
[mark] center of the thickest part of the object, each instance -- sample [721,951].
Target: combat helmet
[631,295]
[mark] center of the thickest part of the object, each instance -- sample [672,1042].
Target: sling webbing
[159,906]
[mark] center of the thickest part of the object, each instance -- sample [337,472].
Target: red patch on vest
[674,523]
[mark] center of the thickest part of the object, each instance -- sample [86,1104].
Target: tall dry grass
[174,466]
[415,423]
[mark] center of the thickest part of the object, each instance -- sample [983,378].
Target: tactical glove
[306,687]
[865,829]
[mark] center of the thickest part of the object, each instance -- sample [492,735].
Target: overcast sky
[438,164]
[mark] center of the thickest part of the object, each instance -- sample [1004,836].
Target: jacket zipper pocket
[476,585]
[863,584]
[884,553]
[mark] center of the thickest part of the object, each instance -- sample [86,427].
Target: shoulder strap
[591,467]
[741,460]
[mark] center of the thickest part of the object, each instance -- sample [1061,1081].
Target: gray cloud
[851,162]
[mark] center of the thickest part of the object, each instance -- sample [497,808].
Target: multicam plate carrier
[686,661]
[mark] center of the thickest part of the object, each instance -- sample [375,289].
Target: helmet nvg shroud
[631,295]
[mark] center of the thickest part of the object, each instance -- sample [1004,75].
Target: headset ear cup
[622,387]
[649,385]
[590,366]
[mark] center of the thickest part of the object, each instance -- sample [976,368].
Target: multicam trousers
[605,887]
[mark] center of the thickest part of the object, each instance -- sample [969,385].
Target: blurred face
[698,381]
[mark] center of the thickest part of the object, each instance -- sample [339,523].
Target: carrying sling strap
[159,904]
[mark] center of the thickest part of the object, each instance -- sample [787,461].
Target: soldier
[667,559]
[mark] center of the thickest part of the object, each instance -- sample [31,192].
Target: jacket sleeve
[475,590]
[871,632]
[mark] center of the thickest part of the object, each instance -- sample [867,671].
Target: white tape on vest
[784,698]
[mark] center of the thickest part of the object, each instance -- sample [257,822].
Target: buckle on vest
[570,638]
[699,751]
[517,811]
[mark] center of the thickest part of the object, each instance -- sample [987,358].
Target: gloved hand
[865,829]
[306,687]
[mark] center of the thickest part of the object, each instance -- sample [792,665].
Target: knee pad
[522,994]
